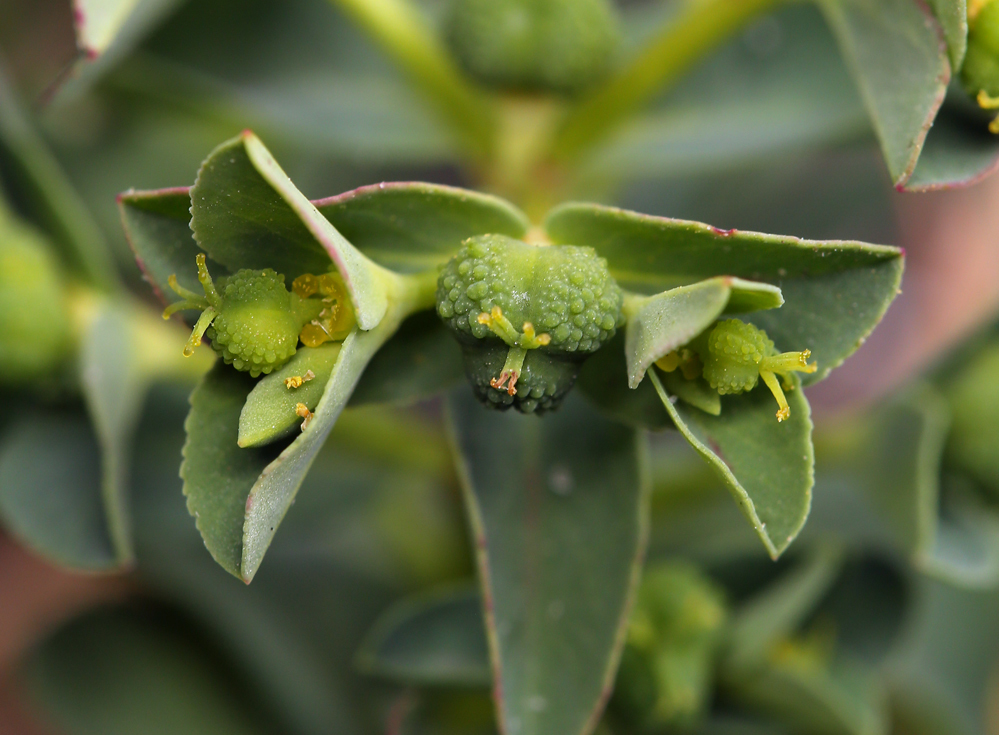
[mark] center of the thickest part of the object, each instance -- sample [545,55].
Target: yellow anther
[305,285]
[303,411]
[669,362]
[296,381]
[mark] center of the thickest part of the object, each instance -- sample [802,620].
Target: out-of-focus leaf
[50,490]
[447,712]
[953,18]
[559,512]
[835,292]
[959,149]
[47,195]
[662,323]
[411,227]
[972,393]
[838,698]
[121,671]
[780,85]
[897,55]
[430,640]
[779,610]
[950,537]
[419,361]
[246,213]
[767,465]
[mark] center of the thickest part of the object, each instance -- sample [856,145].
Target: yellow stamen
[303,411]
[296,381]
[784,364]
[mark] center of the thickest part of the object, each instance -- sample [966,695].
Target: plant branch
[404,34]
[685,40]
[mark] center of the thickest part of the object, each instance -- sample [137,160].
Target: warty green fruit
[526,317]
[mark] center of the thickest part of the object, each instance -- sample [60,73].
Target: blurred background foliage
[884,617]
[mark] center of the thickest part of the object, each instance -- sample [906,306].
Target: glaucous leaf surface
[50,490]
[246,213]
[667,321]
[412,226]
[953,18]
[896,53]
[768,465]
[118,669]
[558,510]
[434,639]
[835,292]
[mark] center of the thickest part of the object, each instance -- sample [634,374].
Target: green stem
[700,28]
[403,33]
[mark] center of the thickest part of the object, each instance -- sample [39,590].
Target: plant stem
[404,34]
[699,28]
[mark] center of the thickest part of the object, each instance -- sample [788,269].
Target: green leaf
[835,292]
[959,149]
[878,38]
[50,490]
[412,227]
[951,537]
[246,213]
[434,639]
[840,698]
[158,227]
[953,18]
[118,669]
[47,195]
[779,610]
[767,465]
[114,385]
[100,22]
[218,475]
[269,411]
[660,324]
[558,510]
[421,360]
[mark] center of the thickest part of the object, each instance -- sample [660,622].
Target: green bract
[526,317]
[553,45]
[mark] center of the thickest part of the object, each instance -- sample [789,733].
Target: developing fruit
[733,356]
[255,324]
[552,45]
[564,299]
[980,73]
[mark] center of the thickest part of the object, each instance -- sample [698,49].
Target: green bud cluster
[550,45]
[35,323]
[980,72]
[527,312]
[666,672]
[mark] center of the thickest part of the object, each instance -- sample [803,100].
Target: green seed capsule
[551,45]
[564,299]
[35,324]
[980,72]
[255,323]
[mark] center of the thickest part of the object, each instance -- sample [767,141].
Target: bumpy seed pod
[255,324]
[734,355]
[980,72]
[551,45]
[35,325]
[564,298]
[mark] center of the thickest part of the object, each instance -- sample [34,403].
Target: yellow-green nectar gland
[520,343]
[987,102]
[336,319]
